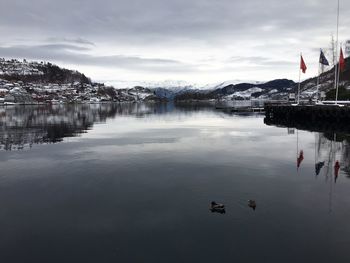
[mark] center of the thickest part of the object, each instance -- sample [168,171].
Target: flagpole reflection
[332,154]
[315,155]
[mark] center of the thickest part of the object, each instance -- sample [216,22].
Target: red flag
[302,65]
[341,60]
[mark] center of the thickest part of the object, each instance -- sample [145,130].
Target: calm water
[133,183]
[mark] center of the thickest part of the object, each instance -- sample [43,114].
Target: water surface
[133,183]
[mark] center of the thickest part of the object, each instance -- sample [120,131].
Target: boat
[9,103]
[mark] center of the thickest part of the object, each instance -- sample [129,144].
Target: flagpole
[336,67]
[299,80]
[338,76]
[318,81]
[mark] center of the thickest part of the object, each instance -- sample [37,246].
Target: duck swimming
[252,204]
[216,207]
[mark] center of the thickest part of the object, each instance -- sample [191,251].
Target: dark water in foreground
[133,183]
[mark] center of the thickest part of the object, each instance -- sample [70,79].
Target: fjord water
[133,183]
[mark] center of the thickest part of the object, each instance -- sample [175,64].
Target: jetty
[241,109]
[244,106]
[308,116]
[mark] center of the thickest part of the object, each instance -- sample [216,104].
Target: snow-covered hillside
[16,67]
[23,81]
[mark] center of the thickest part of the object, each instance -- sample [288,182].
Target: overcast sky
[199,41]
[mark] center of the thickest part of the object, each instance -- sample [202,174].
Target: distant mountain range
[26,75]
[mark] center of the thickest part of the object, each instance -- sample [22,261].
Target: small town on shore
[30,82]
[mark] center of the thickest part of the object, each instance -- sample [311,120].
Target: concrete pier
[332,113]
[310,117]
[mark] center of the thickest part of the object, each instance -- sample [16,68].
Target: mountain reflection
[23,126]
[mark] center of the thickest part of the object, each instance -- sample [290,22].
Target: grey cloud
[77,40]
[159,20]
[269,26]
[55,47]
[72,54]
[260,61]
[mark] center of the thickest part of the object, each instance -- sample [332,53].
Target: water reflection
[137,188]
[21,127]
[300,158]
[332,145]
[336,170]
[318,167]
[331,155]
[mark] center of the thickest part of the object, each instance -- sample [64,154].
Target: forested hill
[40,72]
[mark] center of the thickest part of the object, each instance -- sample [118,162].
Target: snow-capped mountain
[220,85]
[41,82]
[261,90]
[174,85]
